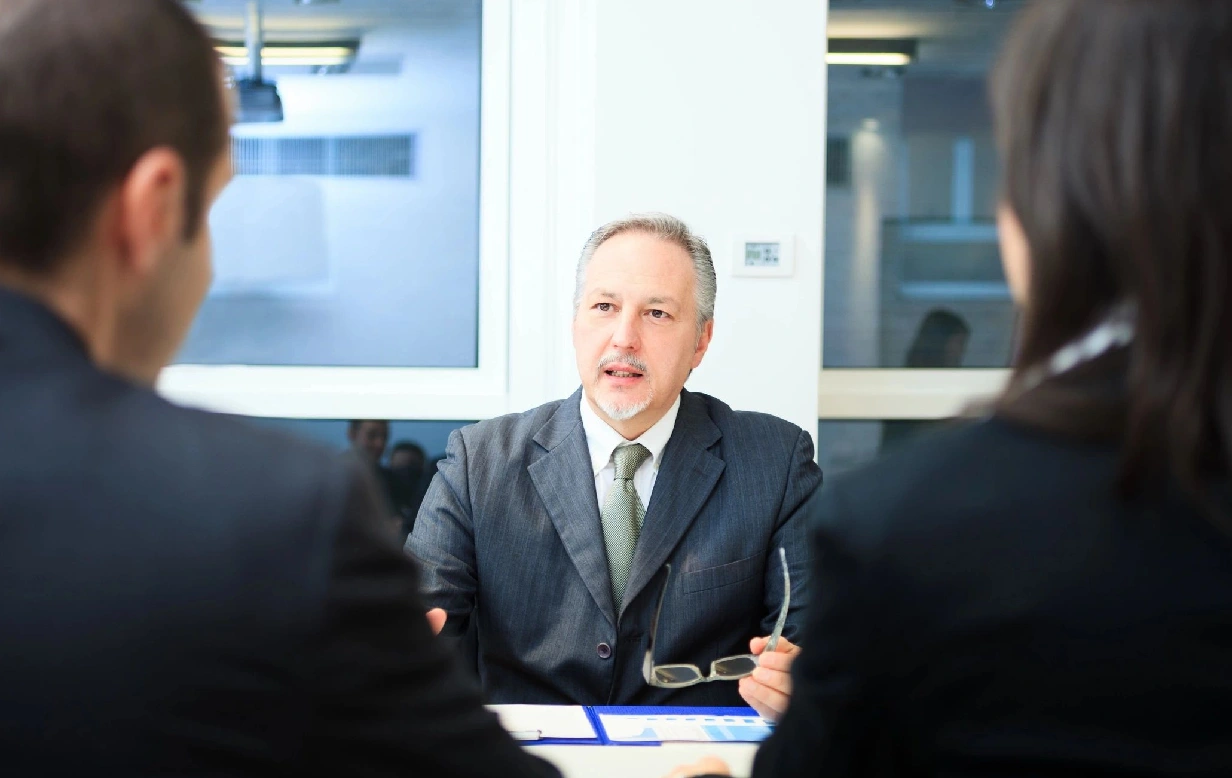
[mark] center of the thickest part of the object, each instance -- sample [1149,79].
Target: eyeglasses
[728,668]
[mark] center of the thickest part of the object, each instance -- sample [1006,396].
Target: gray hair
[664,227]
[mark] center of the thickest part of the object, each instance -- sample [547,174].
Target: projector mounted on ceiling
[258,99]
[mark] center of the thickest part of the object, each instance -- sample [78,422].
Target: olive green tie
[622,517]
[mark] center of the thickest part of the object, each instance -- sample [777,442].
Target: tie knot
[628,459]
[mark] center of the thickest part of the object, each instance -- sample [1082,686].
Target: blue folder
[593,711]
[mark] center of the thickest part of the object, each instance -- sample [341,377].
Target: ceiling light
[888,52]
[236,55]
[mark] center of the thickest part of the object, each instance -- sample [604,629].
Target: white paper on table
[568,722]
[686,728]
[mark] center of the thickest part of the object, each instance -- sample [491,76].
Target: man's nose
[627,336]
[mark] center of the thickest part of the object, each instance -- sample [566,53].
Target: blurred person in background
[940,343]
[408,480]
[368,438]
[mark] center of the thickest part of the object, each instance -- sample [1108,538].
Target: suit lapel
[566,484]
[687,476]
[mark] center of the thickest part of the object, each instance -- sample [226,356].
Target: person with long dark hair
[1048,590]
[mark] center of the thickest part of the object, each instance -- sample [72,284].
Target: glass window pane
[402,454]
[350,233]
[913,274]
[431,436]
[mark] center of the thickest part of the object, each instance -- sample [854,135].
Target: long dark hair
[1114,121]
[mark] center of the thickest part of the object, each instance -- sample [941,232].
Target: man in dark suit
[179,593]
[546,534]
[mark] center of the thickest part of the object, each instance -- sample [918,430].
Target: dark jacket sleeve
[834,723]
[389,699]
[443,542]
[791,535]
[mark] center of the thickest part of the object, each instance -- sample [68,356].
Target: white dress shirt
[602,440]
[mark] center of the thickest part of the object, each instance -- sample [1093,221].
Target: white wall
[714,112]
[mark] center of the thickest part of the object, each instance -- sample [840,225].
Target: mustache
[630,360]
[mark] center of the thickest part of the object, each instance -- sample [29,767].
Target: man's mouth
[623,370]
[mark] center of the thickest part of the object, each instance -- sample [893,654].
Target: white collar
[1114,330]
[602,440]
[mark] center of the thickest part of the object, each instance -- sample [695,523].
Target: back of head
[86,88]
[1113,119]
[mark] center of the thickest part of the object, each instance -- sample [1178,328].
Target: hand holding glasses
[728,668]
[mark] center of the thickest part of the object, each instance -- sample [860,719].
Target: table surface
[641,761]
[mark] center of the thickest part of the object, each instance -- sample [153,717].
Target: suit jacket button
[604,650]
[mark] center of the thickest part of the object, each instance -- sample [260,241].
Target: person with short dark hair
[1048,590]
[207,598]
[408,455]
[369,438]
[408,480]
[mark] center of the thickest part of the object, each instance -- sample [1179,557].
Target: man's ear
[150,213]
[703,342]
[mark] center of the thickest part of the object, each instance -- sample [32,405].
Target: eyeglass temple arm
[782,620]
[648,661]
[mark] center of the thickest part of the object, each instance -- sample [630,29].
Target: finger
[773,679]
[768,702]
[436,620]
[708,765]
[745,688]
[784,646]
[773,660]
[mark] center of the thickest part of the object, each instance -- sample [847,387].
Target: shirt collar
[602,440]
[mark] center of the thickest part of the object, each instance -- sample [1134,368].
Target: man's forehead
[649,296]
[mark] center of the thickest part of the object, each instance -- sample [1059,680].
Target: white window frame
[879,393]
[401,393]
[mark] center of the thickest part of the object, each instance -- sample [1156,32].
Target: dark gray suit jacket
[511,546]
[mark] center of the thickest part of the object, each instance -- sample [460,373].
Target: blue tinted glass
[350,233]
[913,275]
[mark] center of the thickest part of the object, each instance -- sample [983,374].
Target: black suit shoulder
[961,480]
[990,580]
[231,482]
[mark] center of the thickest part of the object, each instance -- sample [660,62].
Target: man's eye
[658,314]
[605,307]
